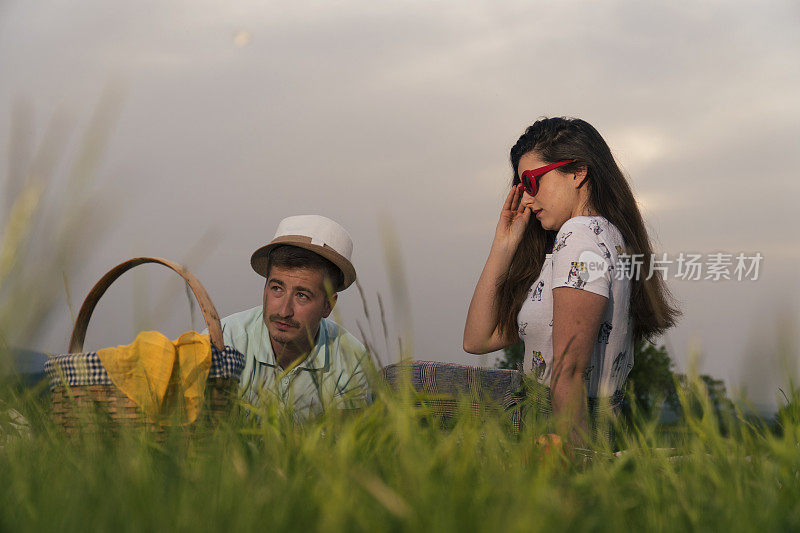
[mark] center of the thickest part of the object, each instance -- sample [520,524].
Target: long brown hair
[556,139]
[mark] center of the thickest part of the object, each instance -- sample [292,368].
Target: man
[294,353]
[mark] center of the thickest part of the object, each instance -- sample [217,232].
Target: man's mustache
[278,318]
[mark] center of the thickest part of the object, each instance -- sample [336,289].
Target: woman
[554,277]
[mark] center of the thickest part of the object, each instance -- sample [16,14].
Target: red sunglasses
[530,178]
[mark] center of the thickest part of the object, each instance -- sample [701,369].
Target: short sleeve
[579,261]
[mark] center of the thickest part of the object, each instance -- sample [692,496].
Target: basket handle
[206,306]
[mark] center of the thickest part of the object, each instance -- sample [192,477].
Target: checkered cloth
[75,370]
[500,386]
[601,412]
[492,386]
[81,369]
[505,388]
[226,364]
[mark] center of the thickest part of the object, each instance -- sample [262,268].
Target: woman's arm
[481,331]
[576,321]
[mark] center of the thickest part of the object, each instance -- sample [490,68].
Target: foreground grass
[383,469]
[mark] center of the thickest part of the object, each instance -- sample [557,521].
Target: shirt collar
[317,361]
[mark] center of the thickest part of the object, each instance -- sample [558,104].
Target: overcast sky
[227,116]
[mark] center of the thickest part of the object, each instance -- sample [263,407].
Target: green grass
[386,469]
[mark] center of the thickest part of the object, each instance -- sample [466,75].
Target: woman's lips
[536,213]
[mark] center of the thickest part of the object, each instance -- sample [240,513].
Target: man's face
[295,301]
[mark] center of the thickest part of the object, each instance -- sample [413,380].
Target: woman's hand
[514,219]
[482,331]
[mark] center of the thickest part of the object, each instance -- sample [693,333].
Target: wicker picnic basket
[443,385]
[83,394]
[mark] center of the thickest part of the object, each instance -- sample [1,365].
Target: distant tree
[513,356]
[721,404]
[651,381]
[718,395]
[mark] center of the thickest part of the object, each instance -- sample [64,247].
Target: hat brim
[260,258]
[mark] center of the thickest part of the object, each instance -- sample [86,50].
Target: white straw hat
[315,233]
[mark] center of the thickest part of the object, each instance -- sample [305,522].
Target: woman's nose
[526,198]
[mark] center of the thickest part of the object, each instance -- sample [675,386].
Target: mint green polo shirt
[333,374]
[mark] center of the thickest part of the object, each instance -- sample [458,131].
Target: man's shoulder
[241,322]
[347,343]
[245,316]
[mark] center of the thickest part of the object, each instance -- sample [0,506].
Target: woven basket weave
[84,397]
[446,384]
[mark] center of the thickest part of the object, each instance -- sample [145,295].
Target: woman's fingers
[515,215]
[523,215]
[517,199]
[510,199]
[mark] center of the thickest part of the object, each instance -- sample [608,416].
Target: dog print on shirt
[618,365]
[522,327]
[537,292]
[539,365]
[587,374]
[562,241]
[594,225]
[607,255]
[578,274]
[604,333]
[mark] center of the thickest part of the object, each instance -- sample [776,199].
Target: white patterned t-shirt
[584,257]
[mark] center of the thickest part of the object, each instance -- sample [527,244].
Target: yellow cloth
[153,365]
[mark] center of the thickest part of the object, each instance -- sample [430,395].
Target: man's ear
[330,303]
